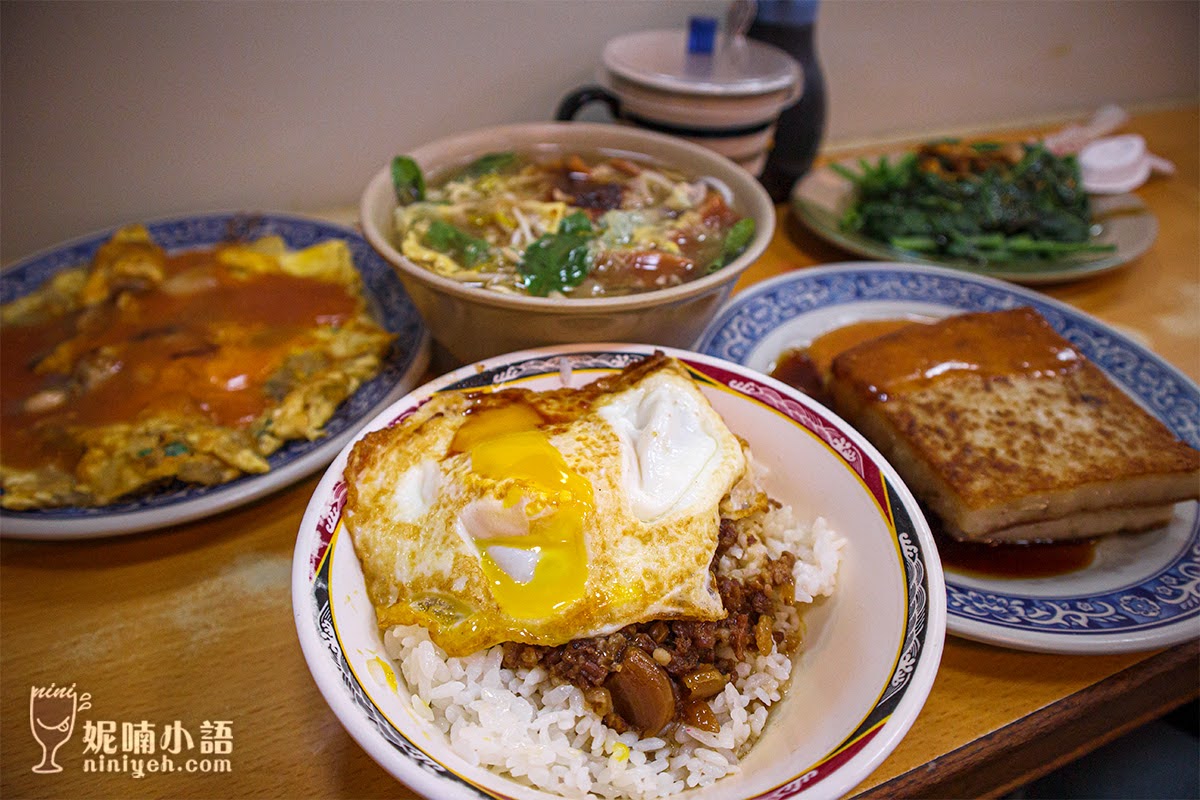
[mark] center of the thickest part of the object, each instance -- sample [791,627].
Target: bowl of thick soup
[551,233]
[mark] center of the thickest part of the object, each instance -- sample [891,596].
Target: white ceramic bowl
[472,323]
[871,650]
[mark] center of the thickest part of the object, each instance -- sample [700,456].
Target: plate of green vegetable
[1008,210]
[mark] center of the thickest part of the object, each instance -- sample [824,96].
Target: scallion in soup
[577,225]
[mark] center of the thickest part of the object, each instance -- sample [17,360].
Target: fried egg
[542,517]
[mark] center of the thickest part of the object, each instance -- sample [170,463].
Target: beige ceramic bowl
[471,323]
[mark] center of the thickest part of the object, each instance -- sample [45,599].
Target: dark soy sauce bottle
[790,26]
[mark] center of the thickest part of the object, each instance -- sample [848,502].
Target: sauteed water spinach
[573,225]
[981,202]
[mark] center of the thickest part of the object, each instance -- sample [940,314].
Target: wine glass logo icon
[52,711]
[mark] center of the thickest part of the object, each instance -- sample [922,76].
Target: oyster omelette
[146,368]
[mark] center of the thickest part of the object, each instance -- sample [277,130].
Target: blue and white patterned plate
[403,368]
[1140,592]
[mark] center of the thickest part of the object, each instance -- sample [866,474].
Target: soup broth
[571,225]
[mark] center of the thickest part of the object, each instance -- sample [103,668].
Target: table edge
[1056,734]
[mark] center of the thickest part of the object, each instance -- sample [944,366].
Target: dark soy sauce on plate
[795,368]
[1012,559]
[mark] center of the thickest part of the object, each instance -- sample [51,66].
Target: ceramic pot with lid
[727,99]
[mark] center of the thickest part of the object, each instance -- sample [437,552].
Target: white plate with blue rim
[403,368]
[870,652]
[1138,592]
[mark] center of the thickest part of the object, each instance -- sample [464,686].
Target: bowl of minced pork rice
[618,571]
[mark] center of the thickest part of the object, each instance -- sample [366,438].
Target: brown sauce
[993,344]
[796,368]
[1013,559]
[807,368]
[208,351]
[828,346]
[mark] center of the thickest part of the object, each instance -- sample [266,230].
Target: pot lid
[660,59]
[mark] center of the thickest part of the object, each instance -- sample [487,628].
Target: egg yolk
[505,443]
[483,424]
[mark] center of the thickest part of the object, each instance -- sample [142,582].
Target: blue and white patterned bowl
[403,368]
[871,650]
[1140,592]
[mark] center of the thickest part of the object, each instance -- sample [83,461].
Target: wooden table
[183,628]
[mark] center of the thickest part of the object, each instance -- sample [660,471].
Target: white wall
[116,111]
[914,66]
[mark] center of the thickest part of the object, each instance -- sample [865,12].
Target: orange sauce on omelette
[208,350]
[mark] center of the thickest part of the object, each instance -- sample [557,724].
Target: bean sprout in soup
[574,225]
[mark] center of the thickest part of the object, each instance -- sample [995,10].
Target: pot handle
[576,100]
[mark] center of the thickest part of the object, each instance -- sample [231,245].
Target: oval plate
[823,196]
[403,368]
[1140,592]
[872,649]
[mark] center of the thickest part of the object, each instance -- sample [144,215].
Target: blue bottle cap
[702,35]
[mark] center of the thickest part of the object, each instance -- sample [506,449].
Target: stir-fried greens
[566,225]
[981,202]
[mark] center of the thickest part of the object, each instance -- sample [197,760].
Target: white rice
[540,731]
